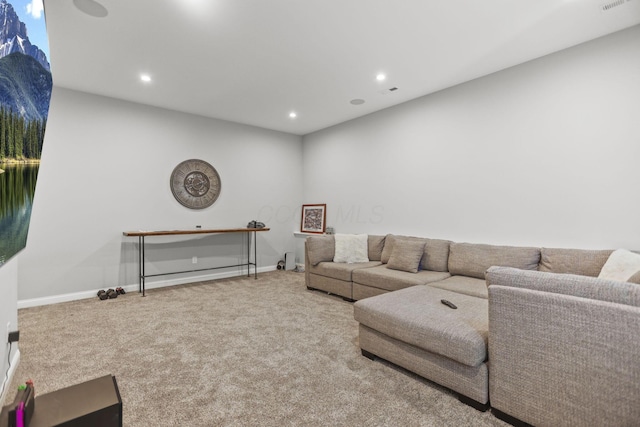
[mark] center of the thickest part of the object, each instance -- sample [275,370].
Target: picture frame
[313,218]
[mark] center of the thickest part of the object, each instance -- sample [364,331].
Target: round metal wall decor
[195,184]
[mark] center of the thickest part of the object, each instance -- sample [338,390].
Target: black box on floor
[94,403]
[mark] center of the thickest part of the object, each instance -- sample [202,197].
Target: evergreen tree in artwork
[20,138]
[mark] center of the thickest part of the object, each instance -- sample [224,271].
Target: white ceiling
[255,61]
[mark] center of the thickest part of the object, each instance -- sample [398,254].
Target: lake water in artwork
[17,187]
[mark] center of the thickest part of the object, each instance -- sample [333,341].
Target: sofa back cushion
[473,259]
[320,248]
[434,258]
[584,262]
[635,278]
[436,255]
[376,244]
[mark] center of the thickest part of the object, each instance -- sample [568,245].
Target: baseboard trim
[55,299]
[15,361]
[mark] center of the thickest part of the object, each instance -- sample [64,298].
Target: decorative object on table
[330,230]
[313,218]
[195,184]
[255,224]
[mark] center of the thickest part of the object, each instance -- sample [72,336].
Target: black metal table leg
[255,254]
[142,275]
[139,263]
[248,254]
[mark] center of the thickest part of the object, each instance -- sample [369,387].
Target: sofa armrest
[563,350]
[317,249]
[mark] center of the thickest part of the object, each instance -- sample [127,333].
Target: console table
[142,234]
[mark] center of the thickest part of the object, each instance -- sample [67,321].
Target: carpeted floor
[232,352]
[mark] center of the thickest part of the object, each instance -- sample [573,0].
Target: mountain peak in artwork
[13,36]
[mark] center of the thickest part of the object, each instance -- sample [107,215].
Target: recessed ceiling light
[145,78]
[293,115]
[381,77]
[357,101]
[91,8]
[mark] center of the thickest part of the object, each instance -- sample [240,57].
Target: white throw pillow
[621,265]
[351,248]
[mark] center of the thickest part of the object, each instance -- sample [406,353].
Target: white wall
[8,314]
[545,153]
[105,169]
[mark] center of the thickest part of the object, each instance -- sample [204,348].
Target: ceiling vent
[611,5]
[390,90]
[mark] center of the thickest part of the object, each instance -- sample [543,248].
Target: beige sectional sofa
[402,320]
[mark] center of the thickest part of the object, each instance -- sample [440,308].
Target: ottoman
[413,329]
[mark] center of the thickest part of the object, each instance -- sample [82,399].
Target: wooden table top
[194,231]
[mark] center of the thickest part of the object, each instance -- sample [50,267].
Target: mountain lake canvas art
[25,91]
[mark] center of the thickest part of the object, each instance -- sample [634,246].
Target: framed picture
[313,218]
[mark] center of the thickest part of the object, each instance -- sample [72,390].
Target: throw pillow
[351,248]
[621,266]
[406,255]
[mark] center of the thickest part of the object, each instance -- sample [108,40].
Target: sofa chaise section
[413,329]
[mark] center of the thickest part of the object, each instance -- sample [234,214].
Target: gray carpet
[232,352]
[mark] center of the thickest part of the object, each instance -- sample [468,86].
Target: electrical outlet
[12,336]
[194,260]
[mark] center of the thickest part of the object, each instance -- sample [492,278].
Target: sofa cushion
[406,255]
[464,285]
[436,255]
[320,248]
[351,248]
[340,270]
[583,262]
[416,316]
[376,244]
[391,280]
[473,259]
[621,265]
